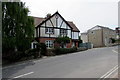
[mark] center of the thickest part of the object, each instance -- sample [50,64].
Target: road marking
[24,75]
[106,75]
[114,51]
[111,72]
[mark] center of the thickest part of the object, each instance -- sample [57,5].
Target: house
[99,36]
[84,37]
[49,28]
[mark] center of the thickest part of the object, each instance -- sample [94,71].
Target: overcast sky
[84,13]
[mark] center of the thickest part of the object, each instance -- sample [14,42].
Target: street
[93,63]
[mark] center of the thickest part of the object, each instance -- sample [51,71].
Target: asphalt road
[93,63]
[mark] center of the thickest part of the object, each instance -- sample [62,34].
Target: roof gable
[52,16]
[99,27]
[95,28]
[40,21]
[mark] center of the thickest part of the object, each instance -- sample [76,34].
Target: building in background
[84,37]
[99,36]
[49,28]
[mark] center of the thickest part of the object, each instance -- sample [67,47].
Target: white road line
[23,75]
[109,71]
[114,51]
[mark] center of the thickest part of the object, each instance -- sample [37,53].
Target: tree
[62,40]
[80,41]
[17,27]
[112,40]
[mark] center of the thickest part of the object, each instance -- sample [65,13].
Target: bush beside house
[59,51]
[62,41]
[37,52]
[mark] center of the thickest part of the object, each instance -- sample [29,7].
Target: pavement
[93,63]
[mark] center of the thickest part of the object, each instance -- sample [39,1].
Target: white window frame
[49,30]
[49,43]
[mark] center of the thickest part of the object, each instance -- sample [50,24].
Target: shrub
[32,52]
[14,56]
[81,49]
[50,52]
[37,52]
[43,49]
[62,40]
[112,40]
[59,51]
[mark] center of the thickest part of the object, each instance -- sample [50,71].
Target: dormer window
[49,30]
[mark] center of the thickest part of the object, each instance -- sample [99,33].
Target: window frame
[63,32]
[49,43]
[49,30]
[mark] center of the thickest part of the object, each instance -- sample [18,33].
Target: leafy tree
[17,27]
[112,40]
[62,40]
[80,41]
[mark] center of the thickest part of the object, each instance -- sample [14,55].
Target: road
[93,63]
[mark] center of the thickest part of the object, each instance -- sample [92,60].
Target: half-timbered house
[49,28]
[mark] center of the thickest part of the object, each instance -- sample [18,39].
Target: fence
[87,45]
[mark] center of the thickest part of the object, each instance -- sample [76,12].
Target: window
[49,43]
[63,31]
[49,30]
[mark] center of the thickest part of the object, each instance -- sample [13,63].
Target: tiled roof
[38,20]
[73,26]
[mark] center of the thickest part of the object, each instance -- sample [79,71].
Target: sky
[84,13]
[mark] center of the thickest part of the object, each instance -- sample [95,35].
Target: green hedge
[28,54]
[32,53]
[59,51]
[37,52]
[14,56]
[43,49]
